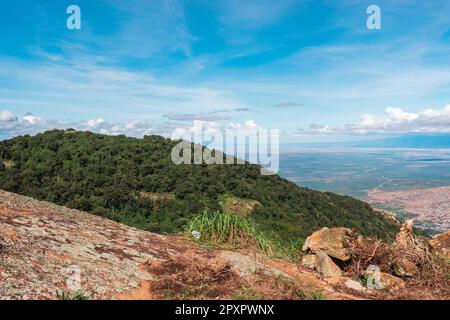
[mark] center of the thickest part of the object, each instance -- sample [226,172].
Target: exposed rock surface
[325,265]
[331,241]
[309,261]
[42,244]
[354,285]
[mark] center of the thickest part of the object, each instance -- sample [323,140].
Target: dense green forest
[106,175]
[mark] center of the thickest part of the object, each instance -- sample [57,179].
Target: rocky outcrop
[334,242]
[327,244]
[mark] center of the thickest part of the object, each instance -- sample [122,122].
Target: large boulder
[326,266]
[333,241]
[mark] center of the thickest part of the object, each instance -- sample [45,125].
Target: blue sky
[309,68]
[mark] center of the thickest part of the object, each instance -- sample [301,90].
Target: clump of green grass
[230,230]
[237,231]
[290,251]
[77,295]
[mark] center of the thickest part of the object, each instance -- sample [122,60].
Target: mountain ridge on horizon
[420,141]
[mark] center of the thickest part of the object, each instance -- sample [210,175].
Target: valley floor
[429,207]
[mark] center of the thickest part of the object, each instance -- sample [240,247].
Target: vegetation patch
[230,203]
[229,230]
[102,174]
[247,293]
[76,295]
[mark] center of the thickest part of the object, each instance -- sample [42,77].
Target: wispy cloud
[222,114]
[7,116]
[254,14]
[84,89]
[287,105]
[167,62]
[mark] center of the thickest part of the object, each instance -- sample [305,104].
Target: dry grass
[432,281]
[8,164]
[153,196]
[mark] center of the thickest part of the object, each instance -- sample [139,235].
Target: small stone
[196,234]
[355,285]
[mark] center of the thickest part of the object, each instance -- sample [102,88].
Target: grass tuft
[230,230]
[77,295]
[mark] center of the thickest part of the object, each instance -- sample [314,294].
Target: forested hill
[133,181]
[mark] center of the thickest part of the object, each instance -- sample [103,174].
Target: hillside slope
[42,243]
[107,175]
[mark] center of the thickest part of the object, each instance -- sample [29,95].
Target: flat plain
[413,183]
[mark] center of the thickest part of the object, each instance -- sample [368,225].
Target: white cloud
[397,114]
[31,119]
[6,116]
[31,124]
[395,120]
[95,122]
